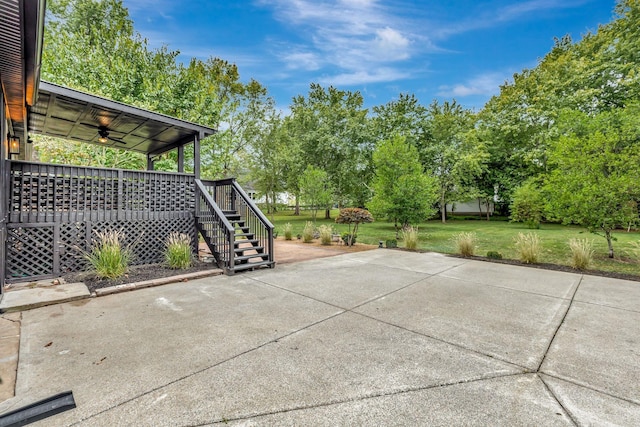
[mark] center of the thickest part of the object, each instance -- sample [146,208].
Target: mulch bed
[136,273]
[556,267]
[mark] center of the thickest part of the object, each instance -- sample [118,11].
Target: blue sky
[462,49]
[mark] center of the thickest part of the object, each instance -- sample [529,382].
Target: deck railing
[41,192]
[214,227]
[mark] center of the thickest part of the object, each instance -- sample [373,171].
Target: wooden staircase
[249,253]
[236,232]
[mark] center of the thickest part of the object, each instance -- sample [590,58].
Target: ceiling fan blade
[118,140]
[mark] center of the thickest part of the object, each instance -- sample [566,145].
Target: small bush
[348,239]
[581,253]
[108,257]
[410,237]
[465,243]
[287,230]
[391,243]
[326,232]
[494,255]
[177,250]
[527,205]
[529,247]
[532,224]
[307,232]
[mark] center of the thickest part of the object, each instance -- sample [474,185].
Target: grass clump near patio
[177,250]
[326,234]
[287,230]
[307,232]
[581,253]
[529,247]
[465,243]
[410,238]
[108,257]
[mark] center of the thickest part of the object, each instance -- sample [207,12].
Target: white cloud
[364,77]
[357,41]
[392,44]
[484,84]
[308,61]
[488,16]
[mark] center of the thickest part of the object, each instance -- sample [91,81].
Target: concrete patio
[381,337]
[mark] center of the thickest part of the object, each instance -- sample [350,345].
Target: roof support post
[196,155]
[181,159]
[149,162]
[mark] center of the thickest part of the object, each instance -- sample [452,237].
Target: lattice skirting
[44,250]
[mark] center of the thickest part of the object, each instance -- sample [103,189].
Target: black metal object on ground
[39,410]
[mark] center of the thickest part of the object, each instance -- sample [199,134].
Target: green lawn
[491,235]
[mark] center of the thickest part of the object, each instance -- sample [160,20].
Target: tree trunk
[488,204]
[480,206]
[607,234]
[297,209]
[327,214]
[443,208]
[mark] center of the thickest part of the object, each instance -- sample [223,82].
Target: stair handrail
[222,219]
[252,205]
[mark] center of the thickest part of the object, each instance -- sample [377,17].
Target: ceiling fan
[103,136]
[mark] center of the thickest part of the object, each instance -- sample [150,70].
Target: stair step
[252,256]
[233,217]
[251,241]
[253,265]
[244,234]
[249,248]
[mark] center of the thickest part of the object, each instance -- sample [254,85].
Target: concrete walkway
[372,338]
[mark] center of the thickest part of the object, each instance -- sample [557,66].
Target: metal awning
[70,114]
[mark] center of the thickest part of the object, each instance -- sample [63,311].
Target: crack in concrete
[358,398]
[566,410]
[546,352]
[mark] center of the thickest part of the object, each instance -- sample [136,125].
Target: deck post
[196,155]
[4,190]
[149,162]
[181,159]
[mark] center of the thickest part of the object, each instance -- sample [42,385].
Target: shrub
[410,237]
[581,253]
[465,243]
[177,250]
[287,229]
[391,243]
[326,232]
[355,216]
[307,232]
[494,255]
[348,238]
[529,247]
[108,257]
[527,205]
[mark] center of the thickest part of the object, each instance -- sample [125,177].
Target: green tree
[402,117]
[332,129]
[268,161]
[316,189]
[451,154]
[402,193]
[595,178]
[528,205]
